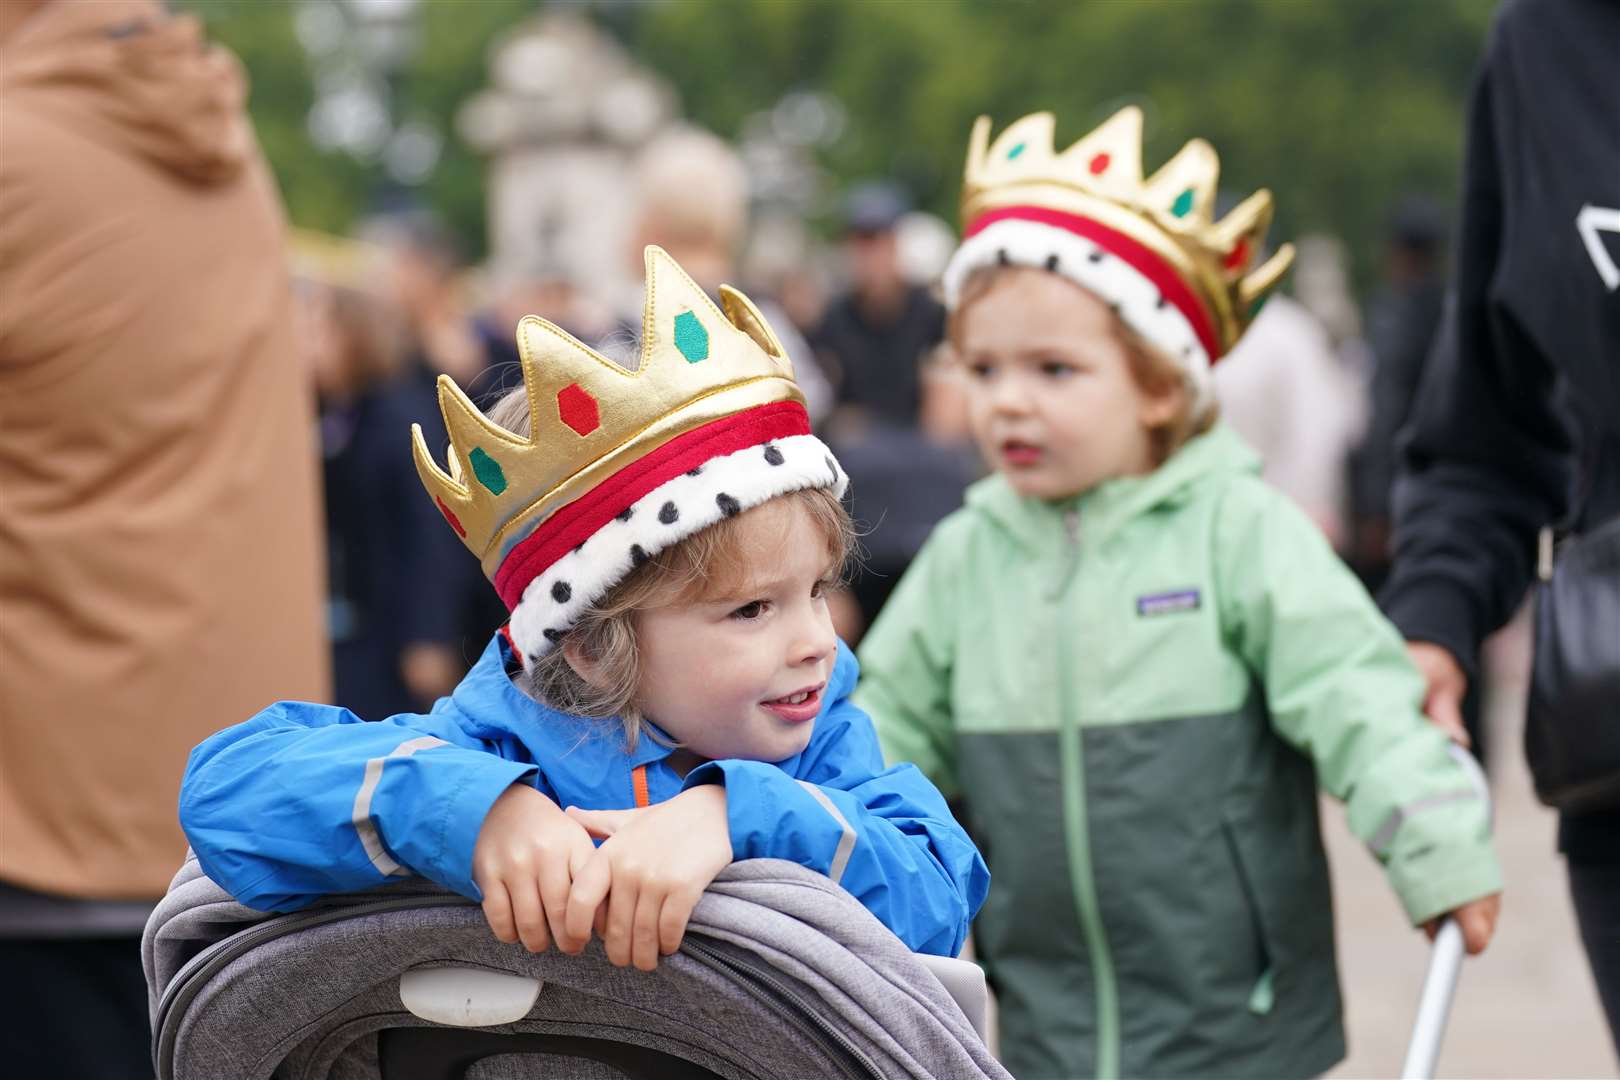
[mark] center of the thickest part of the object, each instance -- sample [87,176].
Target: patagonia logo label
[1166,603]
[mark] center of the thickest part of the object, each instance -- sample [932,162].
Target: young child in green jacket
[1133,661]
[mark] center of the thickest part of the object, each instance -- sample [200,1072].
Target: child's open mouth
[797,707]
[1016,452]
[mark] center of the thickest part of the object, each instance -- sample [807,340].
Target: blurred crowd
[1320,385]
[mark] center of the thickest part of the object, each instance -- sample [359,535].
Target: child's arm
[1341,688]
[305,800]
[885,835]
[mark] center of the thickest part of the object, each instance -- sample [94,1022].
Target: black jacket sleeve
[1487,458]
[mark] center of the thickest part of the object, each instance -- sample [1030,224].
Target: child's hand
[527,856]
[1477,919]
[655,864]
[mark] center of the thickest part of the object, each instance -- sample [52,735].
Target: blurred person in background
[394,649]
[904,480]
[1401,323]
[538,287]
[1515,429]
[784,262]
[876,335]
[159,550]
[423,281]
[692,195]
[1282,388]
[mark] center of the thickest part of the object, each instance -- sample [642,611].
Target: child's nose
[815,639]
[1010,396]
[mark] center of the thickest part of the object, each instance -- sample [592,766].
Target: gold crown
[1100,177]
[590,417]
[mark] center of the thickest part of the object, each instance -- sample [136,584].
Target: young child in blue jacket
[669,683]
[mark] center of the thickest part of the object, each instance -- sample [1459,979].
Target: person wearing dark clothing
[1401,323]
[902,483]
[1516,426]
[387,594]
[878,352]
[392,611]
[876,335]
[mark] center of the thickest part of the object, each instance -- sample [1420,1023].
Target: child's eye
[1057,369]
[749,611]
[980,370]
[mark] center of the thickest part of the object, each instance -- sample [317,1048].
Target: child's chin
[792,741]
[1042,485]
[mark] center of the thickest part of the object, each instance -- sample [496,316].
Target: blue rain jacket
[305,800]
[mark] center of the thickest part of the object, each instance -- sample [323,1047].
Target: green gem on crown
[488,470]
[1183,204]
[1015,151]
[691,338]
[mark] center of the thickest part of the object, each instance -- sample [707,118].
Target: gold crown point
[1183,188]
[1241,232]
[1099,178]
[1253,288]
[469,431]
[742,314]
[1027,140]
[590,416]
[1111,155]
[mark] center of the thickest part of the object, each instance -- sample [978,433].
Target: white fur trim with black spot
[720,488]
[1136,300]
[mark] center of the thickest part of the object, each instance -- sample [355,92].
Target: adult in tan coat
[160,571]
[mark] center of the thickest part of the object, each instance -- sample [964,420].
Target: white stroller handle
[1434,1006]
[1445,965]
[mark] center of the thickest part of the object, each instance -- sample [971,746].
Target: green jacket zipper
[1079,832]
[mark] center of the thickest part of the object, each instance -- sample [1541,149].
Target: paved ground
[1527,1008]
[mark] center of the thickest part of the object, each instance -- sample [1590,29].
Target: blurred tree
[330,189]
[1338,107]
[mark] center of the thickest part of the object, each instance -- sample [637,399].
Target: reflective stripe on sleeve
[363,824]
[846,843]
[1385,836]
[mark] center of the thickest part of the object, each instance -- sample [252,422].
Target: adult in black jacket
[1517,423]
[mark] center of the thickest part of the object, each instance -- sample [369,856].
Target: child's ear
[584,664]
[1161,409]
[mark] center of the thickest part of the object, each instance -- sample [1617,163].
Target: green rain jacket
[1137,692]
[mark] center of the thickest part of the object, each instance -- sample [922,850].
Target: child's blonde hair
[1154,372]
[704,563]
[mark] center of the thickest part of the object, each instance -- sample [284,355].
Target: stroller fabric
[782,975]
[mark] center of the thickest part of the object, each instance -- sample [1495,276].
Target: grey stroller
[782,976]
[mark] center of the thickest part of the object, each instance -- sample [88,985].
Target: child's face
[724,674]
[1051,399]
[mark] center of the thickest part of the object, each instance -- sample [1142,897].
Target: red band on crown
[578,521]
[1143,259]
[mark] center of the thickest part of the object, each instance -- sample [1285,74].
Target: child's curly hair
[703,563]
